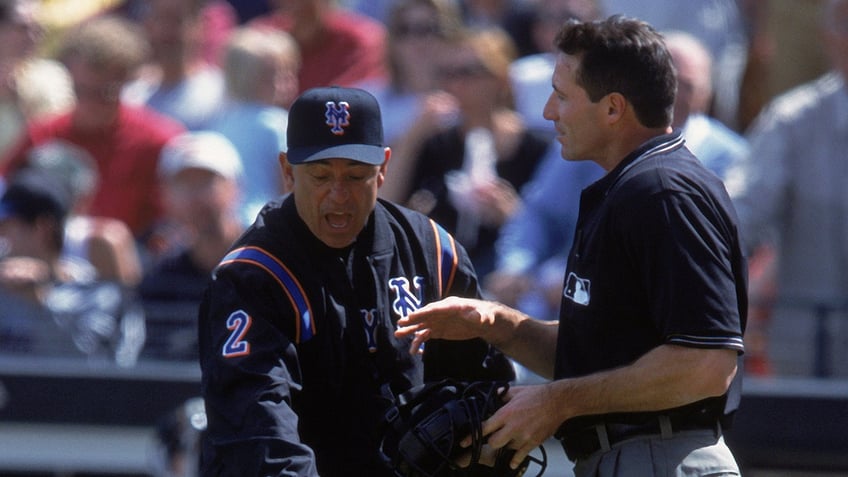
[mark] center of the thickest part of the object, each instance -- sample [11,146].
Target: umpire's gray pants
[686,453]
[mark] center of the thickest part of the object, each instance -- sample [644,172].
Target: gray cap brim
[368,154]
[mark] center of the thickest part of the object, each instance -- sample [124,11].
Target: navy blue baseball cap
[335,122]
[32,194]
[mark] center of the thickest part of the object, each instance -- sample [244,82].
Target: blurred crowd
[139,139]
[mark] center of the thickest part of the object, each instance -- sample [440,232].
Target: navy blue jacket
[296,341]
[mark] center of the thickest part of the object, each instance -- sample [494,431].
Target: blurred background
[139,138]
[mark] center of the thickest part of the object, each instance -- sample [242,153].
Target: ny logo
[338,116]
[405,301]
[370,318]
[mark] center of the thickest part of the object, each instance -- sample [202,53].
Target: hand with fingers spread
[453,318]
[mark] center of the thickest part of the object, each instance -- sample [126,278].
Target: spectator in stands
[178,81]
[784,51]
[69,313]
[261,75]
[201,172]
[531,75]
[101,55]
[338,46]
[790,195]
[218,18]
[247,10]
[31,86]
[412,104]
[513,17]
[714,144]
[105,243]
[33,209]
[467,178]
[718,24]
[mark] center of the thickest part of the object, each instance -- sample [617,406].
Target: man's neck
[627,142]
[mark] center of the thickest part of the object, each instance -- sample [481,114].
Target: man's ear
[616,106]
[288,175]
[384,167]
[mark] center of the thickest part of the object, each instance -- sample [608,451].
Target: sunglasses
[471,70]
[409,30]
[108,92]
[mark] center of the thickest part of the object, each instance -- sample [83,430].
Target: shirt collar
[650,147]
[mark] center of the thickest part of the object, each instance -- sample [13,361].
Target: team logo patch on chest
[371,319]
[407,297]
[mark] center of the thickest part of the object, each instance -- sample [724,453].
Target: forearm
[529,341]
[667,377]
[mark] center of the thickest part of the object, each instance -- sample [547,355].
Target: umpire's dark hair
[627,56]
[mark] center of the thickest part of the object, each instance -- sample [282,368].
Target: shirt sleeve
[685,248]
[249,373]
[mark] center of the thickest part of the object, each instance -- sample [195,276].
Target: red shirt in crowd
[126,154]
[351,49]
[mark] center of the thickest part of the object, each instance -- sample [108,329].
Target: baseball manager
[297,341]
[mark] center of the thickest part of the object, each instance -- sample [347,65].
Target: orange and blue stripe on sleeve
[446,256]
[304,323]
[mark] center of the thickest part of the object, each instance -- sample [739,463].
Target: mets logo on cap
[338,116]
[334,122]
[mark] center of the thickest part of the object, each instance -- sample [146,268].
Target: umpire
[646,354]
[297,344]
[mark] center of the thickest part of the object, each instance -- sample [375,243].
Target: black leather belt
[581,443]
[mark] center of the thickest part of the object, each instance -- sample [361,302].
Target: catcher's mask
[425,426]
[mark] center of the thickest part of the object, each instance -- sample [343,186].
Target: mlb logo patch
[577,289]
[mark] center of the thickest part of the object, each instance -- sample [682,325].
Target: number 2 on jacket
[236,345]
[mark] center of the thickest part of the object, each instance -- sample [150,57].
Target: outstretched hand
[453,318]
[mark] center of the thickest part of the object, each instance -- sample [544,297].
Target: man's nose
[549,111]
[339,190]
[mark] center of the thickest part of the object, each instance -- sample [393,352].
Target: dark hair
[626,56]
[32,195]
[6,10]
[10,11]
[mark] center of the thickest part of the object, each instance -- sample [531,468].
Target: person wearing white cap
[200,173]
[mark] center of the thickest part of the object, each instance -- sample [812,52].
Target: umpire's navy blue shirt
[656,260]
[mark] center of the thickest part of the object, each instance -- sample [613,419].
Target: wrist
[502,327]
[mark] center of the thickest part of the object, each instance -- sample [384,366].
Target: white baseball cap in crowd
[200,150]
